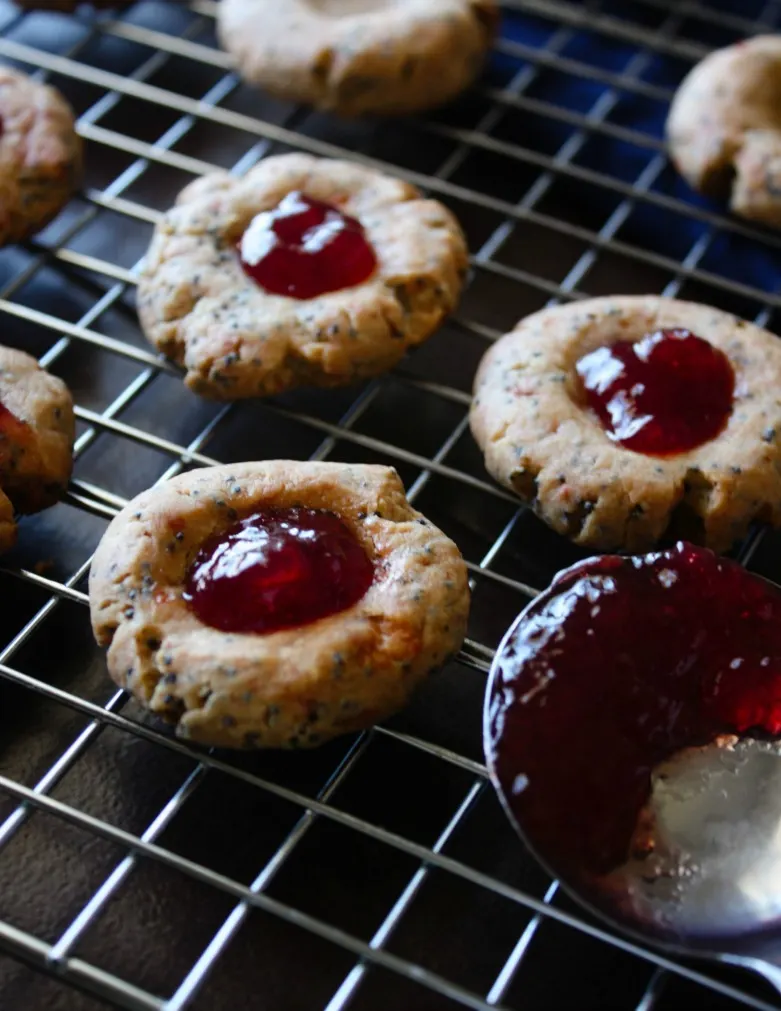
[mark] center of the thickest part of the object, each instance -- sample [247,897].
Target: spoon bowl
[702,875]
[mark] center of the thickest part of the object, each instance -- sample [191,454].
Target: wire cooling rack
[377,872]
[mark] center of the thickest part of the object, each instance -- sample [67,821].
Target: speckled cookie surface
[360,56]
[296,687]
[541,441]
[197,305]
[36,439]
[724,127]
[40,155]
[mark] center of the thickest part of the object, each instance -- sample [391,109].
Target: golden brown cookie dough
[540,440]
[360,56]
[36,439]
[724,127]
[236,340]
[40,155]
[296,687]
[7,524]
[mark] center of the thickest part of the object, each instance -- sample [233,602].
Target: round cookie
[295,687]
[199,307]
[530,418]
[40,155]
[360,56]
[36,439]
[724,127]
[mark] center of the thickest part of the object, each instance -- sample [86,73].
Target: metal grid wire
[376,872]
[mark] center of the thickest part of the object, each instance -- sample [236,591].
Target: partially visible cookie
[36,439]
[7,523]
[404,259]
[40,155]
[384,56]
[541,438]
[219,647]
[724,127]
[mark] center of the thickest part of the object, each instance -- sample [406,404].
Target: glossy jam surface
[618,665]
[280,568]
[305,248]
[668,393]
[13,432]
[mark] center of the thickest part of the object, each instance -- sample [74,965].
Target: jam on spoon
[277,569]
[618,665]
[668,393]
[305,248]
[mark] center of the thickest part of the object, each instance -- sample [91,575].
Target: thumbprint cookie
[624,420]
[36,439]
[304,272]
[724,127]
[353,57]
[40,155]
[276,604]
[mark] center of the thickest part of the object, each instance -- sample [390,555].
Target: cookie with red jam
[36,439]
[625,420]
[724,127]
[276,604]
[40,155]
[385,57]
[304,272]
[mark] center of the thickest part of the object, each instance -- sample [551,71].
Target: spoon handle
[764,967]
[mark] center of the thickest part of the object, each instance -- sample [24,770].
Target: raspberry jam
[12,430]
[305,248]
[619,664]
[666,394]
[280,568]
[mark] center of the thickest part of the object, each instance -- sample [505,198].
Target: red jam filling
[281,568]
[619,664]
[666,394]
[305,248]
[12,430]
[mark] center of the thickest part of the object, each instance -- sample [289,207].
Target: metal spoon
[712,886]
